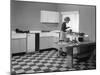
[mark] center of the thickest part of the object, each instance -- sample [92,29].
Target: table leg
[71,48]
[58,54]
[72,59]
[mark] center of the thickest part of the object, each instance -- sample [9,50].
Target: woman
[62,49]
[63,28]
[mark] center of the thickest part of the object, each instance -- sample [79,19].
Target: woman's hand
[67,27]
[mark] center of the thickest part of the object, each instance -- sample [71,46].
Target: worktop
[15,35]
[49,34]
[18,35]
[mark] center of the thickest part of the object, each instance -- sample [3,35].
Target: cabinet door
[55,40]
[43,43]
[50,42]
[47,15]
[22,45]
[18,45]
[31,43]
[46,42]
[15,46]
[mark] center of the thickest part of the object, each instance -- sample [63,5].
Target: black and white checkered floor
[46,61]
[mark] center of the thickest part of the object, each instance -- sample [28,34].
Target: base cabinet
[30,43]
[48,42]
[18,45]
[45,42]
[54,42]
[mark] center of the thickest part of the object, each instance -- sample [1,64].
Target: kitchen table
[72,45]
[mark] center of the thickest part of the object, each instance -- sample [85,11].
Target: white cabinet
[18,45]
[22,45]
[49,16]
[31,42]
[55,40]
[46,42]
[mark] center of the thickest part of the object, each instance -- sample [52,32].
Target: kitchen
[36,31]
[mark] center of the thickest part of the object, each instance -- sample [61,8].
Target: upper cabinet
[49,16]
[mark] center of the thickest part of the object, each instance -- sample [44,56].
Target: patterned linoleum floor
[46,61]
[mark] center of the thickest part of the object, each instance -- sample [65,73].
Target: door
[46,42]
[31,43]
[22,45]
[18,45]
[15,46]
[74,20]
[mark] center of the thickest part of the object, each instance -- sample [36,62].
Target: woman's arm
[67,27]
[63,27]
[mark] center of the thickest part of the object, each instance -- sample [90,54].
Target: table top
[71,44]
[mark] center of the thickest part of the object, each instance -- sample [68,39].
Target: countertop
[18,35]
[15,35]
[49,34]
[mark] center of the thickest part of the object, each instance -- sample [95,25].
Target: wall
[86,17]
[26,15]
[93,27]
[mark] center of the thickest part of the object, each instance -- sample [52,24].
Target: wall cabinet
[18,45]
[49,16]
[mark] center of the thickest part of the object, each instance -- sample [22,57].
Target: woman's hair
[66,19]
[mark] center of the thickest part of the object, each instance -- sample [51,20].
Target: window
[74,19]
